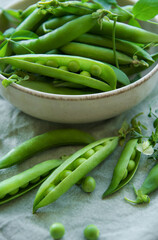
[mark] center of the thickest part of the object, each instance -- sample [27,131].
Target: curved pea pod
[56,38]
[32,20]
[124,46]
[121,176]
[49,64]
[99,53]
[121,76]
[42,142]
[126,32]
[48,87]
[149,185]
[91,156]
[54,23]
[23,182]
[80,8]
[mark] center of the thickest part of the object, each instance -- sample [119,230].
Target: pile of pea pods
[74,48]
[57,176]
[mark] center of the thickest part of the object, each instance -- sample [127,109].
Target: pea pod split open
[149,185]
[49,63]
[79,164]
[42,142]
[125,167]
[23,182]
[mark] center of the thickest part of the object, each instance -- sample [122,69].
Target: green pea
[65,173]
[133,154]
[131,165]
[25,185]
[40,62]
[89,153]
[85,73]
[73,66]
[88,184]
[45,174]
[52,63]
[155,123]
[35,180]
[125,174]
[2,196]
[14,191]
[64,68]
[97,148]
[51,187]
[91,232]
[78,162]
[57,230]
[96,70]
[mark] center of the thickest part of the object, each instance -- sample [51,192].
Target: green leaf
[134,22]
[3,48]
[23,35]
[145,9]
[11,15]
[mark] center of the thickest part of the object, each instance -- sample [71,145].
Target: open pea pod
[125,167]
[23,182]
[59,182]
[101,76]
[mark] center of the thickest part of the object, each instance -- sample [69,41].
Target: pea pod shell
[25,177]
[56,38]
[95,52]
[42,200]
[54,23]
[126,32]
[86,64]
[42,142]
[124,46]
[121,167]
[151,182]
[59,74]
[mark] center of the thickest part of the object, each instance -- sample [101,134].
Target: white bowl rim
[85,96]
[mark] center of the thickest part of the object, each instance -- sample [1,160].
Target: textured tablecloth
[115,218]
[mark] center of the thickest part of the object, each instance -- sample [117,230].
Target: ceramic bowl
[78,109]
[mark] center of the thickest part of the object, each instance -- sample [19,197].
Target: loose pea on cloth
[115,218]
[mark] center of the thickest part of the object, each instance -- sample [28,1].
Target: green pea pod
[98,53]
[126,47]
[29,62]
[28,11]
[23,182]
[32,20]
[54,23]
[56,185]
[125,31]
[56,38]
[42,142]
[121,76]
[45,86]
[149,185]
[121,176]
[130,70]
